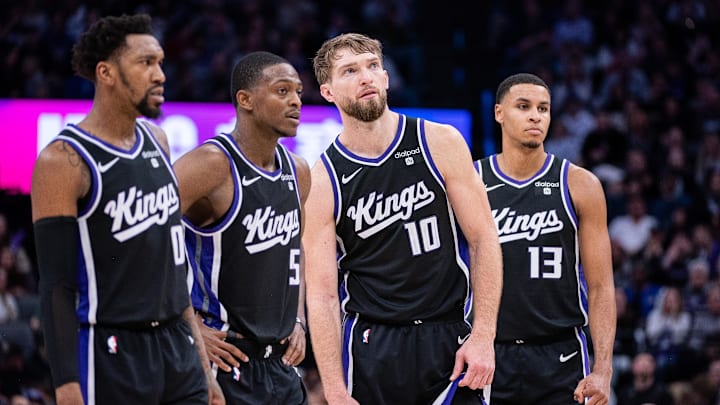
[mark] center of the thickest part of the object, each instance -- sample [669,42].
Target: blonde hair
[327,54]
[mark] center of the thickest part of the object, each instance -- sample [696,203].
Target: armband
[56,245]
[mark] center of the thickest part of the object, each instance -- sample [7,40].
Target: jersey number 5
[294,267]
[551,257]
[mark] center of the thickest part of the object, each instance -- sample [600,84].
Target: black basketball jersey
[246,265]
[398,244]
[131,264]
[544,288]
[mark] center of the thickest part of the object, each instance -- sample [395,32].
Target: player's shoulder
[58,151]
[301,163]
[435,128]
[582,181]
[151,126]
[208,154]
[443,136]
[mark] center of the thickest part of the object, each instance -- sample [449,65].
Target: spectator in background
[705,325]
[711,206]
[667,327]
[605,144]
[573,27]
[578,120]
[14,258]
[8,304]
[678,251]
[631,232]
[706,245]
[627,335]
[562,143]
[645,388]
[708,156]
[641,291]
[694,293]
[14,330]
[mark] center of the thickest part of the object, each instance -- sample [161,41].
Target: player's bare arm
[295,352]
[60,178]
[322,278]
[594,242]
[205,184]
[469,201]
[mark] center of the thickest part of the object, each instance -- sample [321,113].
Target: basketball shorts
[160,365]
[539,372]
[404,364]
[265,379]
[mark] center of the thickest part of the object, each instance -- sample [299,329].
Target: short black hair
[249,70]
[518,78]
[105,37]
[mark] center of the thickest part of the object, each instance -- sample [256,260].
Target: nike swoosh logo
[345,179]
[246,182]
[564,358]
[105,167]
[462,340]
[491,188]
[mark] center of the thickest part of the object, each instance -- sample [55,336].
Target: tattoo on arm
[76,161]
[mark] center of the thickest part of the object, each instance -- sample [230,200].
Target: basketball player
[242,195]
[551,219]
[395,192]
[108,232]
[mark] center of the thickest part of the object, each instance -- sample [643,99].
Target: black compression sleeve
[56,244]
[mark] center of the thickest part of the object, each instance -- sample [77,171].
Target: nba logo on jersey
[366,336]
[236,374]
[112,344]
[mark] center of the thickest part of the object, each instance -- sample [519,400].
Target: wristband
[302,325]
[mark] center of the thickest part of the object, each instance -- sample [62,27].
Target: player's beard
[366,110]
[531,144]
[143,106]
[145,109]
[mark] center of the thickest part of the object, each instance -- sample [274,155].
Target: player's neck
[369,139]
[110,126]
[260,150]
[521,164]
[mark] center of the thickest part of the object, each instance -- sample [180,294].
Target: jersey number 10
[423,235]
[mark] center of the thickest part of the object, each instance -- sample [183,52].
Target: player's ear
[326,93]
[244,99]
[104,73]
[498,114]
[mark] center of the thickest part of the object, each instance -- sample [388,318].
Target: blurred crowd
[635,98]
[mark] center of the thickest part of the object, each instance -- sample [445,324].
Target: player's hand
[477,359]
[225,355]
[215,392]
[295,352]
[595,387]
